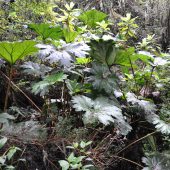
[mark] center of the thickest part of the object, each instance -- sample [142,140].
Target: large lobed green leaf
[91,17]
[103,51]
[103,110]
[13,51]
[103,79]
[46,31]
[43,86]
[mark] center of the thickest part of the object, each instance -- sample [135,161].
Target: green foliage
[158,161]
[149,110]
[75,88]
[103,26]
[13,51]
[162,122]
[69,16]
[69,35]
[76,162]
[5,117]
[3,142]
[47,31]
[43,86]
[80,58]
[33,11]
[102,78]
[127,26]
[83,60]
[7,155]
[103,110]
[91,17]
[149,44]
[103,51]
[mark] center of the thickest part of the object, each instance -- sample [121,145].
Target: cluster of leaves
[97,74]
[7,155]
[76,162]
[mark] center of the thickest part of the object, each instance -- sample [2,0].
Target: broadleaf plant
[101,110]
[47,31]
[91,17]
[13,51]
[43,86]
[102,78]
[149,112]
[157,161]
[103,51]
[64,54]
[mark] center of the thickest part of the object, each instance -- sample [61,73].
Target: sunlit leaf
[64,164]
[46,31]
[3,141]
[12,151]
[91,17]
[13,51]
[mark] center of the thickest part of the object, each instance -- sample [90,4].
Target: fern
[103,110]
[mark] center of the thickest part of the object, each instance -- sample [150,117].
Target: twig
[13,84]
[128,160]
[8,89]
[136,141]
[133,73]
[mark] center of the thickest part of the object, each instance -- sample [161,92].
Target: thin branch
[14,85]
[128,160]
[8,89]
[136,141]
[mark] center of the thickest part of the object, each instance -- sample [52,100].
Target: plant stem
[148,82]
[128,160]
[8,89]
[14,85]
[136,141]
[133,72]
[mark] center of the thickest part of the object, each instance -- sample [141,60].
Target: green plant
[12,52]
[43,86]
[103,110]
[103,79]
[77,162]
[158,161]
[47,31]
[127,27]
[92,17]
[149,44]
[69,17]
[7,155]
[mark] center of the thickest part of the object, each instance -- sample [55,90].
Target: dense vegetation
[80,90]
